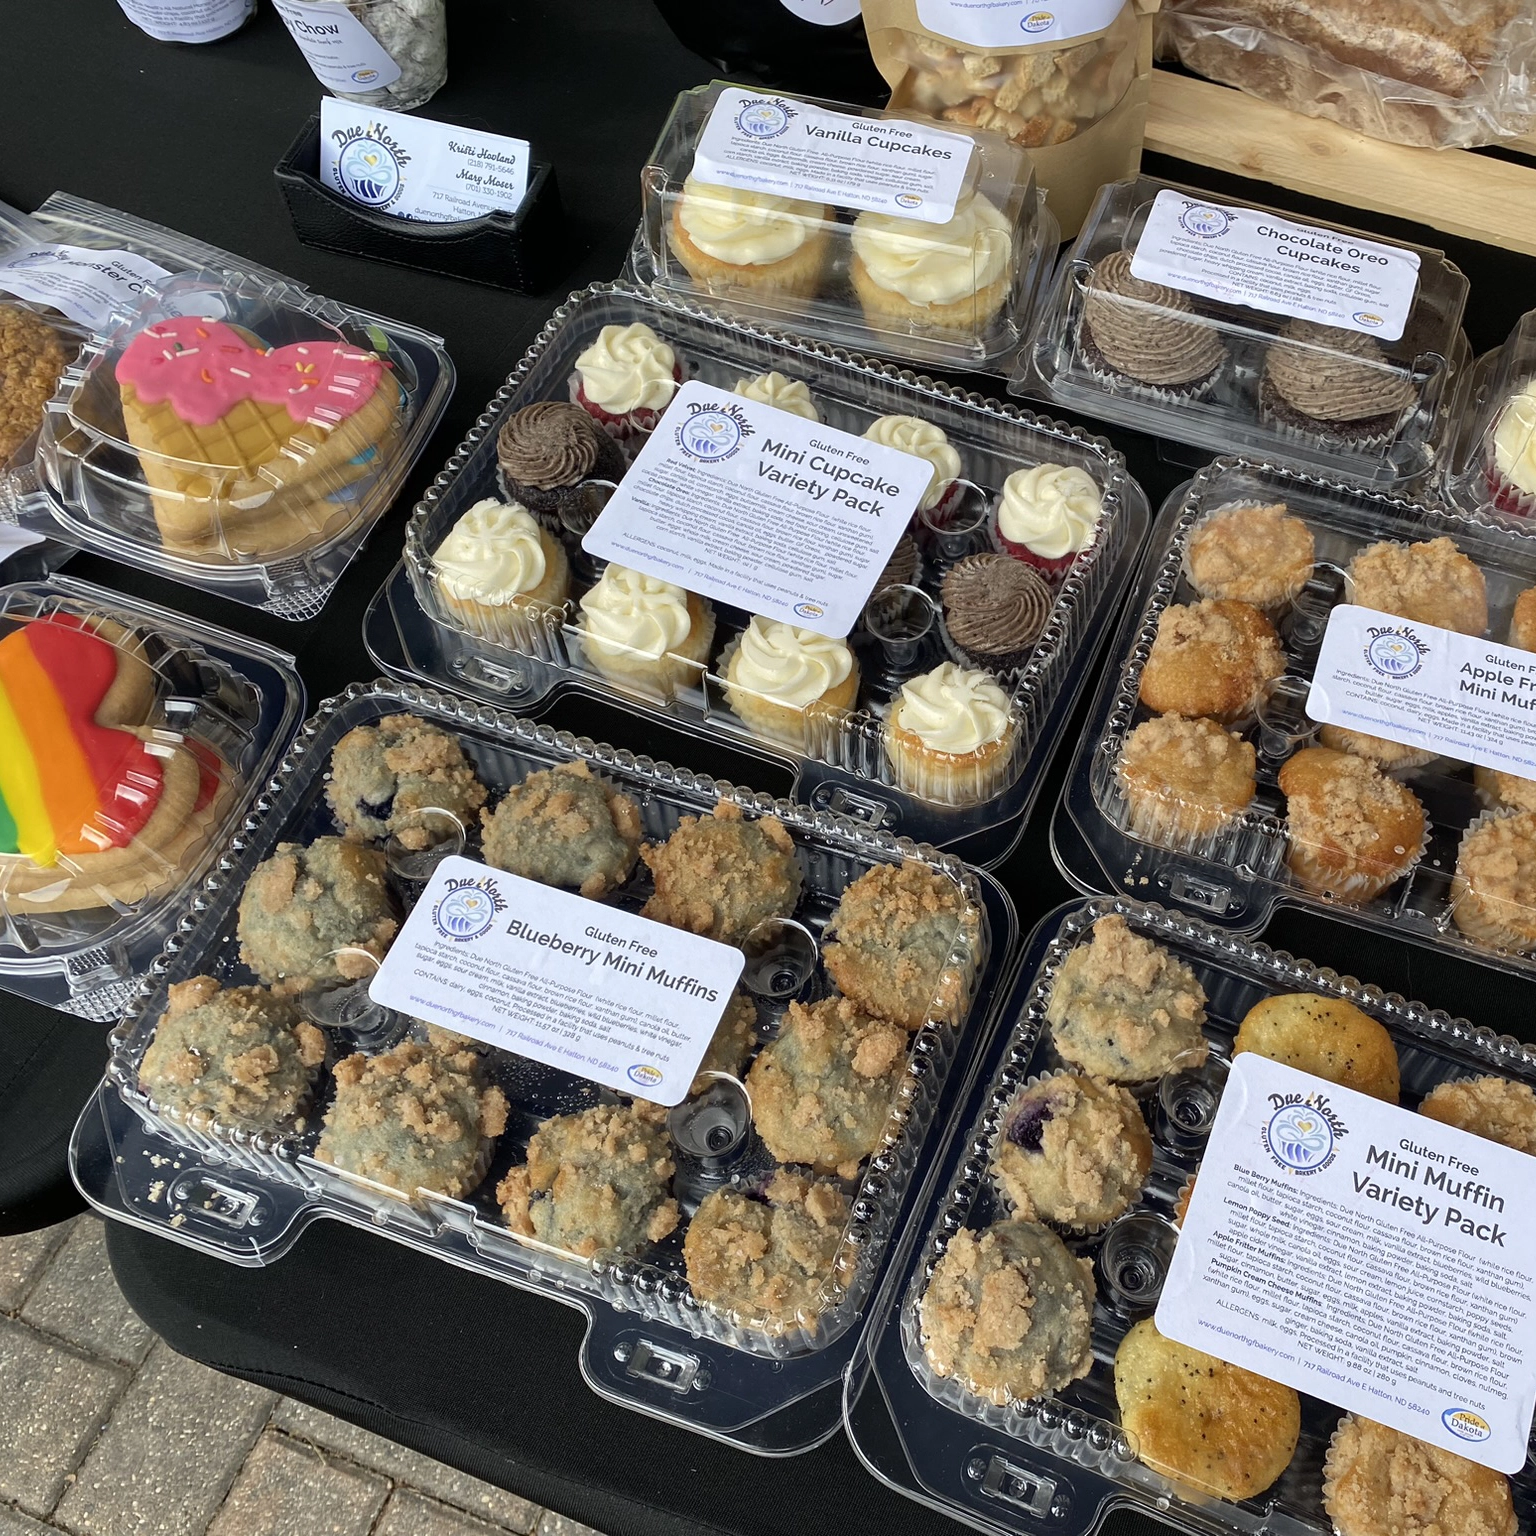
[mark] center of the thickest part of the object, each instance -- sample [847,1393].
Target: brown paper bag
[1078,103]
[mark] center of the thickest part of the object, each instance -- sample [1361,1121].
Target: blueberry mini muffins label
[592,989]
[1370,1256]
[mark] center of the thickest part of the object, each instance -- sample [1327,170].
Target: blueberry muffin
[1325,1036]
[821,1092]
[417,1117]
[721,875]
[599,1181]
[316,914]
[235,1056]
[890,941]
[384,776]
[1074,1151]
[768,1261]
[1495,1108]
[1124,1009]
[564,826]
[1009,1312]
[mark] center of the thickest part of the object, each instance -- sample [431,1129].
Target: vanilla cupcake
[774,389]
[1047,516]
[1184,780]
[728,237]
[626,379]
[1493,897]
[496,566]
[776,673]
[911,434]
[950,736]
[644,632]
[951,277]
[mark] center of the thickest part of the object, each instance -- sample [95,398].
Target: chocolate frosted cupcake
[901,569]
[548,448]
[1141,333]
[1320,381]
[995,608]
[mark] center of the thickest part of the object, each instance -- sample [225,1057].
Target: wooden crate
[1459,191]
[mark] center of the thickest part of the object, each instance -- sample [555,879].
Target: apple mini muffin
[1501,791]
[1215,658]
[1429,583]
[1258,555]
[1522,621]
[1495,1108]
[1493,897]
[1184,780]
[1326,1036]
[1393,756]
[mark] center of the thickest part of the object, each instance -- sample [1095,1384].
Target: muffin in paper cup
[1271,596]
[1196,821]
[1498,848]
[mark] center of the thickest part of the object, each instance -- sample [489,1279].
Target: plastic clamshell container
[235,493]
[1236,876]
[1062,1462]
[1493,467]
[214,712]
[974,316]
[246,1197]
[843,762]
[1229,409]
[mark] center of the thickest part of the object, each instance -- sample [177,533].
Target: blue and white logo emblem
[713,433]
[468,910]
[370,172]
[1039,21]
[1368,317]
[1205,221]
[1466,1425]
[1395,653]
[764,119]
[1300,1137]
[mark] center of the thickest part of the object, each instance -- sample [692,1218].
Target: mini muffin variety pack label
[1423,686]
[757,507]
[628,1003]
[1242,256]
[1364,1254]
[83,284]
[790,148]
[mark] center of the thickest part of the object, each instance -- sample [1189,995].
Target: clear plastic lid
[1242,329]
[887,232]
[237,435]
[1493,467]
[132,741]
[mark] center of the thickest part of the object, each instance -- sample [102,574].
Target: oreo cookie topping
[553,444]
[1147,331]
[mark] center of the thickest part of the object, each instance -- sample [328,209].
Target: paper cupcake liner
[947,778]
[1181,1202]
[1476,917]
[1347,890]
[1319,435]
[1507,497]
[1112,381]
[1165,823]
[1271,610]
[1332,1472]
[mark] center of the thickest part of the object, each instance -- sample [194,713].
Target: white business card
[414,168]
[760,508]
[572,983]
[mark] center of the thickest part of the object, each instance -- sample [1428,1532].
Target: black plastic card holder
[527,251]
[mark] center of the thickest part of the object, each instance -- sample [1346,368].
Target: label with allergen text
[87,286]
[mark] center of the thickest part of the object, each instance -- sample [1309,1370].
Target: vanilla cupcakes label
[1242,256]
[1369,1256]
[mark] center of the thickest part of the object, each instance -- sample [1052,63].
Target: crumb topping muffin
[1496,1108]
[822,1091]
[1504,791]
[384,776]
[1394,756]
[416,1117]
[1493,895]
[1522,621]
[595,1182]
[1009,1312]
[239,1056]
[1380,1482]
[1214,657]
[1184,780]
[769,1261]
[1258,555]
[1074,1151]
[1326,1036]
[889,942]
[1429,583]
[315,915]
[1125,1009]
[565,826]
[1212,1426]
[721,875]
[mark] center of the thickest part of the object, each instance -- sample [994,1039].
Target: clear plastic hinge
[1200,893]
[223,1203]
[669,1368]
[1011,1484]
[850,803]
[490,674]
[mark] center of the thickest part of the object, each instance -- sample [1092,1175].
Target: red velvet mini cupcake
[1047,516]
[911,434]
[626,379]
[1512,455]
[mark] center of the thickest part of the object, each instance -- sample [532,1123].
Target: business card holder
[527,251]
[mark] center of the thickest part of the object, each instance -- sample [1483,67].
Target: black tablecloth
[471,1371]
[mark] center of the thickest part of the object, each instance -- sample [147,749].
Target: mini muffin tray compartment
[224,695]
[246,1197]
[844,764]
[1237,876]
[1061,1462]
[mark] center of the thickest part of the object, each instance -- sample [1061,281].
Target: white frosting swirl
[628,612]
[935,263]
[1514,440]
[745,229]
[913,435]
[492,553]
[789,665]
[627,367]
[1052,510]
[952,709]
[774,389]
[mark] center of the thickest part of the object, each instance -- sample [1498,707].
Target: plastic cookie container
[885,232]
[633,1214]
[134,742]
[1020,1438]
[1020,621]
[1493,468]
[1241,329]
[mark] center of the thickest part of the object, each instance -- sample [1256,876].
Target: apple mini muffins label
[628,1003]
[1242,256]
[776,145]
[1372,1257]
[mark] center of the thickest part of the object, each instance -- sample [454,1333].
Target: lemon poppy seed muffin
[1184,780]
[1429,583]
[1259,555]
[1496,1108]
[1215,657]
[1325,1036]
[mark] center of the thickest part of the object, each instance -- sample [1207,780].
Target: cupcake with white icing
[497,565]
[774,389]
[626,379]
[779,678]
[643,632]
[950,736]
[1047,516]
[911,434]
[728,237]
[1512,454]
